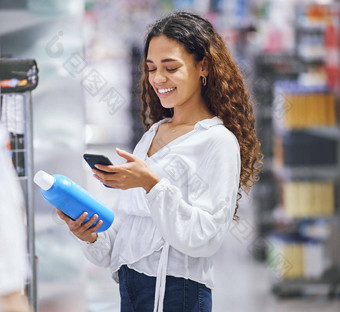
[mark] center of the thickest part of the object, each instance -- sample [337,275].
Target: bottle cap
[44,180]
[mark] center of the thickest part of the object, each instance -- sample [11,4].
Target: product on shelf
[332,55]
[308,199]
[317,38]
[304,106]
[300,148]
[295,257]
[313,15]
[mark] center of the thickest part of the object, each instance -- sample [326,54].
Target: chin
[167,105]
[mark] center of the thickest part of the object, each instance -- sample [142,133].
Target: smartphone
[94,159]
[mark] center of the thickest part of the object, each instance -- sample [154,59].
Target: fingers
[107,179]
[89,223]
[78,227]
[125,154]
[88,228]
[96,227]
[107,169]
[81,219]
[110,169]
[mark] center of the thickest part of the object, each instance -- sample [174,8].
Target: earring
[204,80]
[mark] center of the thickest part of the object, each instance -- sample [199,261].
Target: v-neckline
[169,143]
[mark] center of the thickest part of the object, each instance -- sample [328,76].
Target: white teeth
[165,90]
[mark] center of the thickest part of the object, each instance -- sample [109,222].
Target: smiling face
[173,73]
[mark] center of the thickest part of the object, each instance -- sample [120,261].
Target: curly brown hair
[225,94]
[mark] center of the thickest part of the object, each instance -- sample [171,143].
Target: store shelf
[298,158]
[311,27]
[306,173]
[285,225]
[311,60]
[307,287]
[324,132]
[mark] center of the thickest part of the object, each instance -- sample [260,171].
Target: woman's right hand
[83,231]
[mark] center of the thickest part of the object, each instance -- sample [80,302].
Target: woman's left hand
[134,173]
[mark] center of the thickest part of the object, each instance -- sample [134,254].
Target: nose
[159,77]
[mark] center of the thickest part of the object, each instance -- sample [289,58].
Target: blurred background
[284,253]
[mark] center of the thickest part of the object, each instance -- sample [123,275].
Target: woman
[181,186]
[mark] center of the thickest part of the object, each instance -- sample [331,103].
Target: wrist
[151,182]
[93,237]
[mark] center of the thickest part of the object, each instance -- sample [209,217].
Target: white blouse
[178,226]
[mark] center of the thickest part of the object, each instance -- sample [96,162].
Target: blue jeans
[137,293]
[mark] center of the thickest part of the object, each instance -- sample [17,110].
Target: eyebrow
[164,61]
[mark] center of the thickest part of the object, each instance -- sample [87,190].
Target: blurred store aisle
[106,36]
[243,284]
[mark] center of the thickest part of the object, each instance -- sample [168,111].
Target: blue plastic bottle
[71,199]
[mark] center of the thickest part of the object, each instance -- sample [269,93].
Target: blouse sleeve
[198,226]
[99,252]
